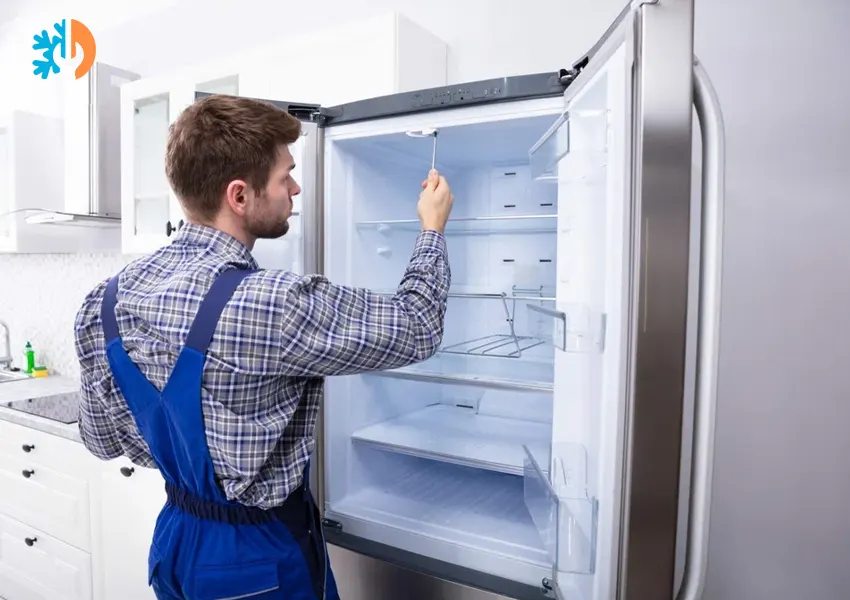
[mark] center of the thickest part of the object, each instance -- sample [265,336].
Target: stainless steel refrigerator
[539,452]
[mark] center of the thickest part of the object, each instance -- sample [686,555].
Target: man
[195,362]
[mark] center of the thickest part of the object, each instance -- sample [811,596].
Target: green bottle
[30,357]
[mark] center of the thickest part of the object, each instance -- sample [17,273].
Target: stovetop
[59,407]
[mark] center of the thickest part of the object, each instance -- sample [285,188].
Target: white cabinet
[61,177]
[45,532]
[35,565]
[73,527]
[374,57]
[126,507]
[31,171]
[381,55]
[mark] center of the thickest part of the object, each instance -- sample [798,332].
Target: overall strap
[206,320]
[107,310]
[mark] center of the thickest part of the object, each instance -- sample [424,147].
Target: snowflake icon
[47,44]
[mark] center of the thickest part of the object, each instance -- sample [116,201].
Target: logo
[54,49]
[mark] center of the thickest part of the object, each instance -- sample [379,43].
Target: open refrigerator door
[572,486]
[605,494]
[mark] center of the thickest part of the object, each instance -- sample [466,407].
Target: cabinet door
[37,566]
[145,193]
[130,501]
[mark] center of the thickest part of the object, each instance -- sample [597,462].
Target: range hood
[92,158]
[72,219]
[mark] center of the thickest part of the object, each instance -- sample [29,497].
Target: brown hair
[221,138]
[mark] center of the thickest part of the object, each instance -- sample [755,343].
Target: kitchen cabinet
[61,177]
[73,527]
[45,532]
[128,502]
[38,566]
[31,169]
[376,56]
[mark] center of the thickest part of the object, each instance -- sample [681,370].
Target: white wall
[781,526]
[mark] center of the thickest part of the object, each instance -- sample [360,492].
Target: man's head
[229,163]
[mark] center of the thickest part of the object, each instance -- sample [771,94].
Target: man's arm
[336,330]
[97,430]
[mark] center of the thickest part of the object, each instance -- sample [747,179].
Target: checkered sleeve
[97,430]
[329,329]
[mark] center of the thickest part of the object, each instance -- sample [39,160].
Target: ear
[237,196]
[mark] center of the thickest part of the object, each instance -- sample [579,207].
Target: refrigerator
[539,452]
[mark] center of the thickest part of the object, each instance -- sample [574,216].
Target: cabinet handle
[30,541]
[127,471]
[27,473]
[180,224]
[169,229]
[27,447]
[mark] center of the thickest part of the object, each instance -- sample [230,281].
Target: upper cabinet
[378,56]
[374,57]
[31,171]
[60,178]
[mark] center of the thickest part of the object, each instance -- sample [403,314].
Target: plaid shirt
[277,338]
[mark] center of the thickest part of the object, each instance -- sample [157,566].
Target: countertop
[39,387]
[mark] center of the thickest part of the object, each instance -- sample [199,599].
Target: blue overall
[206,547]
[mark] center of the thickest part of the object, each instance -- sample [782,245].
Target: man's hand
[435,202]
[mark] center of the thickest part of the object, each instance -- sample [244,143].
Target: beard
[268,229]
[264,223]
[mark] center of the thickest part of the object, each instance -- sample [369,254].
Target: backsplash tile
[39,298]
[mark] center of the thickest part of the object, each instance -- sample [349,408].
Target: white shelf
[488,225]
[459,436]
[467,379]
[480,510]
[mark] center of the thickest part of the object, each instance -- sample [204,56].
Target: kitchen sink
[7,376]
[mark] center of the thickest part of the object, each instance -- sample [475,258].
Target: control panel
[458,95]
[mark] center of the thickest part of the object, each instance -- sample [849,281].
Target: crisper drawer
[44,483]
[37,566]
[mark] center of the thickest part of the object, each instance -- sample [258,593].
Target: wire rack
[506,345]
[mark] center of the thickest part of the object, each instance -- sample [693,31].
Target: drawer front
[37,566]
[45,498]
[67,456]
[44,482]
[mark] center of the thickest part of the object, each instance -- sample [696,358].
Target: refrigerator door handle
[711,258]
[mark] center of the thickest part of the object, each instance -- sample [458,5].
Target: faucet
[7,359]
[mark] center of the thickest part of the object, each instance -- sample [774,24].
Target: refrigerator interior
[450,458]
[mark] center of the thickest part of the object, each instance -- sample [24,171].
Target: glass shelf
[419,373]
[459,435]
[558,502]
[544,223]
